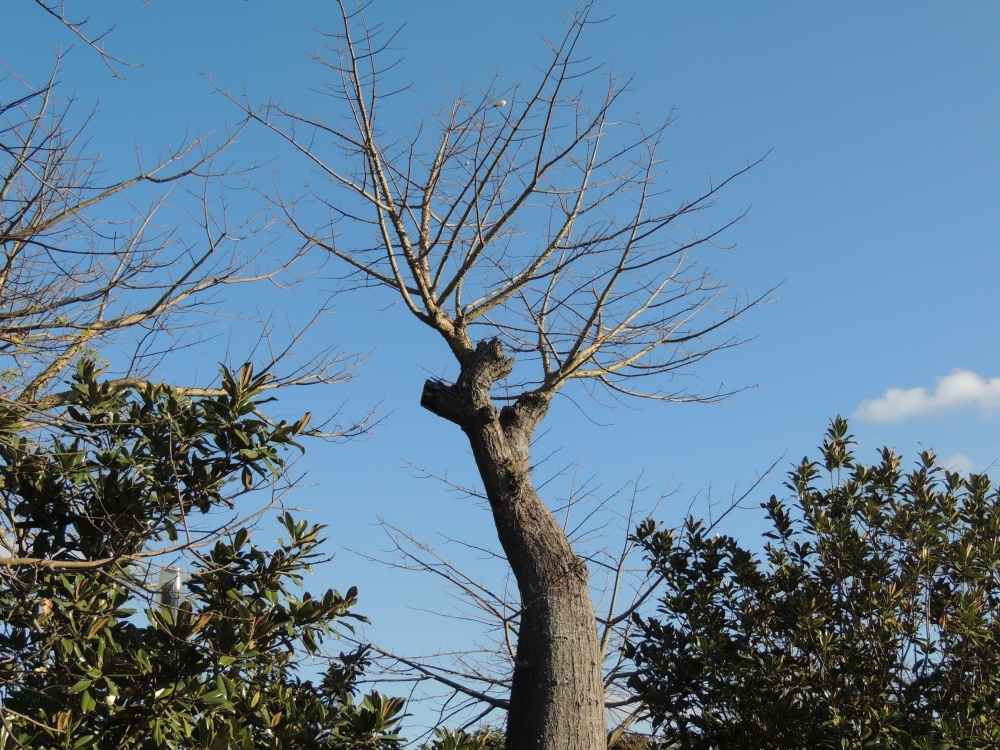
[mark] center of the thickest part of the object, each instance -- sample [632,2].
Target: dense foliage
[91,505]
[487,739]
[459,739]
[871,622]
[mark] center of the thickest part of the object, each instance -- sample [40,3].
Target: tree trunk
[557,696]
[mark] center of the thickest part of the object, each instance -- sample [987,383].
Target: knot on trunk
[485,366]
[453,403]
[525,413]
[467,401]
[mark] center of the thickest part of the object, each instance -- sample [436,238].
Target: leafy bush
[459,739]
[127,477]
[871,622]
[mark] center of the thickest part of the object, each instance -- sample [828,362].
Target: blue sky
[875,211]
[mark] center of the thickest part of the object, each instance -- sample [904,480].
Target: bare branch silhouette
[95,42]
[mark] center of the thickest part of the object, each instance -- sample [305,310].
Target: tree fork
[557,695]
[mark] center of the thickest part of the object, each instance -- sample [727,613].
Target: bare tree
[538,217]
[84,266]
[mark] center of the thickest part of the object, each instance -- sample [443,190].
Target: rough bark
[556,700]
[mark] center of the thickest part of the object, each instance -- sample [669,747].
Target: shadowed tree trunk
[557,696]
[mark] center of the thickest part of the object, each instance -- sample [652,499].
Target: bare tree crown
[126,266]
[541,222]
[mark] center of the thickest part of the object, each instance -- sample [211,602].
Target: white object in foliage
[500,102]
[171,588]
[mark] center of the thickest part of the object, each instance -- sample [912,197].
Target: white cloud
[961,389]
[960,463]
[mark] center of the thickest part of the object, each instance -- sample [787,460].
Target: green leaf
[79,687]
